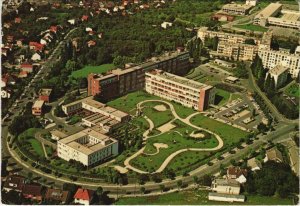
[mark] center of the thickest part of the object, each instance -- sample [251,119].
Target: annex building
[88,146]
[237,9]
[179,89]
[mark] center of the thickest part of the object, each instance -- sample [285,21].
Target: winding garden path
[170,157]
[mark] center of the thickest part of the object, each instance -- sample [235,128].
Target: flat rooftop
[269,10]
[237,6]
[277,70]
[45,92]
[88,148]
[38,104]
[178,79]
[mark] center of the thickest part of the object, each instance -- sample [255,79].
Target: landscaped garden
[293,90]
[92,69]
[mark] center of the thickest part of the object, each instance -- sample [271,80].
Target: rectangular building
[289,19]
[270,11]
[87,146]
[122,81]
[45,95]
[279,73]
[37,108]
[226,186]
[272,58]
[237,9]
[179,89]
[225,197]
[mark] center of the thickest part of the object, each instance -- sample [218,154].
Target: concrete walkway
[151,127]
[169,158]
[44,149]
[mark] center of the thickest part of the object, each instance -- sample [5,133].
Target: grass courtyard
[251,27]
[92,69]
[31,143]
[199,197]
[293,90]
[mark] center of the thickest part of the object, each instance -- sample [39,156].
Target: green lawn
[37,147]
[252,27]
[228,133]
[128,103]
[222,97]
[293,90]
[199,198]
[175,142]
[92,69]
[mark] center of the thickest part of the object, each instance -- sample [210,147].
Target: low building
[237,9]
[231,79]
[83,196]
[88,146]
[57,196]
[14,182]
[237,174]
[280,74]
[45,95]
[226,186]
[254,164]
[271,10]
[179,89]
[289,19]
[38,107]
[224,63]
[32,191]
[273,154]
[57,134]
[251,2]
[36,57]
[166,25]
[225,197]
[27,67]
[222,17]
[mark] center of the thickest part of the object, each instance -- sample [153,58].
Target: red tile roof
[18,20]
[37,46]
[26,65]
[35,190]
[84,194]
[84,18]
[53,29]
[236,171]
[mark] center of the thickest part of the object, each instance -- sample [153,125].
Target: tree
[250,41]
[99,191]
[262,127]
[179,184]
[162,188]
[215,43]
[205,180]
[71,65]
[196,180]
[142,190]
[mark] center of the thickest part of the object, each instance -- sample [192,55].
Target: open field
[199,197]
[228,133]
[37,147]
[92,69]
[251,27]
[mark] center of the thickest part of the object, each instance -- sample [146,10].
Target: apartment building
[279,73]
[272,58]
[203,33]
[38,107]
[244,52]
[179,89]
[119,82]
[237,9]
[271,10]
[87,146]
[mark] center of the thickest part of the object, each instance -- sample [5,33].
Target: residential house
[54,29]
[36,57]
[236,172]
[5,94]
[23,74]
[254,164]
[91,43]
[19,42]
[32,191]
[84,18]
[10,38]
[38,107]
[36,46]
[57,196]
[84,196]
[4,51]
[71,21]
[26,67]
[165,24]
[226,186]
[45,95]
[18,20]
[7,79]
[273,154]
[14,182]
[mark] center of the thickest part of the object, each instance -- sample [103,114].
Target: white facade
[166,24]
[251,2]
[81,201]
[87,146]
[36,57]
[179,89]
[279,73]
[5,94]
[225,197]
[226,186]
[272,58]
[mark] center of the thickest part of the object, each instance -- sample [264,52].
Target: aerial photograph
[150,102]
